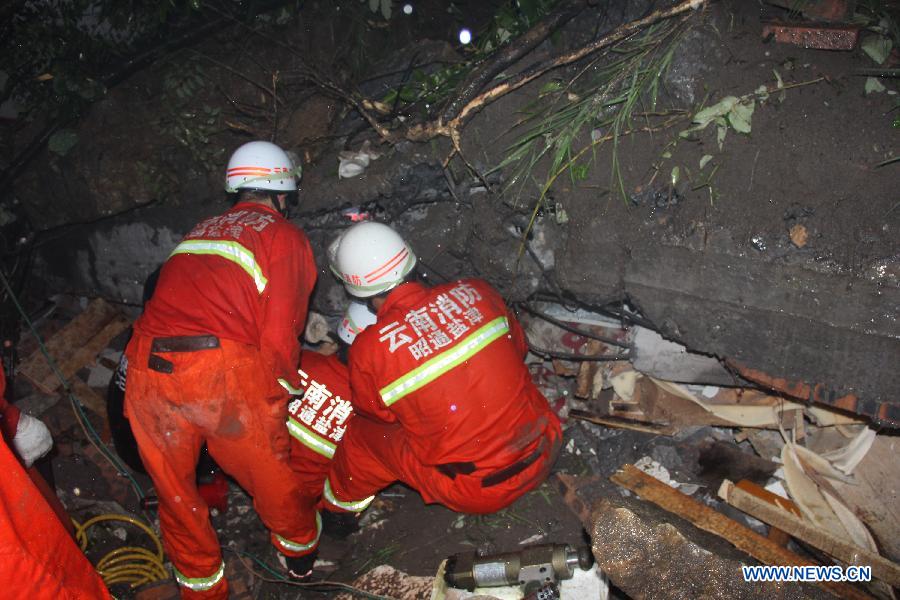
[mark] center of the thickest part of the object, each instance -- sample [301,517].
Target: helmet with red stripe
[370,258]
[260,166]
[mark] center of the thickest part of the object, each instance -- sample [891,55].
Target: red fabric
[329,380]
[201,293]
[38,558]
[9,416]
[224,397]
[485,411]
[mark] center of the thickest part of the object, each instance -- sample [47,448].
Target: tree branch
[529,75]
[509,54]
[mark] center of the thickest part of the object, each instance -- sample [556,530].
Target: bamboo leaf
[878,48]
[873,86]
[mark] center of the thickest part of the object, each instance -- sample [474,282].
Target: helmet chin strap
[282,205]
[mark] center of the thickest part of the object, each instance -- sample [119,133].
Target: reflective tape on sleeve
[290,389]
[200,584]
[232,251]
[445,361]
[294,546]
[316,443]
[359,506]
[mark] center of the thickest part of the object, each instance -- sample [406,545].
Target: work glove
[32,439]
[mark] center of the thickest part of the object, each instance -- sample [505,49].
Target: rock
[647,557]
[388,581]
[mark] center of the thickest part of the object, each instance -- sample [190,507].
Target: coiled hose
[130,564]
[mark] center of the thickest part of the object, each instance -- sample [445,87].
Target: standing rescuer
[451,407]
[210,359]
[318,416]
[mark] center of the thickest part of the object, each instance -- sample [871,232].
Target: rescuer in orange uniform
[318,415]
[39,557]
[210,361]
[451,409]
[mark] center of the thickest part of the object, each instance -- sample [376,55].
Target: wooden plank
[767,496]
[622,423]
[745,539]
[75,345]
[841,549]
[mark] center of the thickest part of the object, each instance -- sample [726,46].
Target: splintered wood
[763,549]
[75,345]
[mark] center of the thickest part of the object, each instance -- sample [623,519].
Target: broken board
[75,345]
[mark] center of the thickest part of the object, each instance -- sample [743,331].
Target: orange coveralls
[38,557]
[317,419]
[204,365]
[445,404]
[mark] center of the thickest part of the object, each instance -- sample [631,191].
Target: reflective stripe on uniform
[200,584]
[309,439]
[440,364]
[360,506]
[294,546]
[232,251]
[290,389]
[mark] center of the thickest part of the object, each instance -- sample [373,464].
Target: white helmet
[260,166]
[357,318]
[370,258]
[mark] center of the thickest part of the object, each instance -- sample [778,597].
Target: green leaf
[704,160]
[873,86]
[721,131]
[878,47]
[675,176]
[386,9]
[720,109]
[374,4]
[62,141]
[552,86]
[739,117]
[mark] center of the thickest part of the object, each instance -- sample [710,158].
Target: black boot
[300,568]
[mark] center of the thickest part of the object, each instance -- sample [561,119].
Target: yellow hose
[130,564]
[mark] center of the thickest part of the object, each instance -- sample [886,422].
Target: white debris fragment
[532,539]
[120,533]
[354,163]
[776,486]
[654,469]
[710,391]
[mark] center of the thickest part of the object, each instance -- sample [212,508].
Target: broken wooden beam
[825,541]
[745,539]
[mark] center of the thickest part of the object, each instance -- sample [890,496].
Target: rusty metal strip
[883,413]
[763,549]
